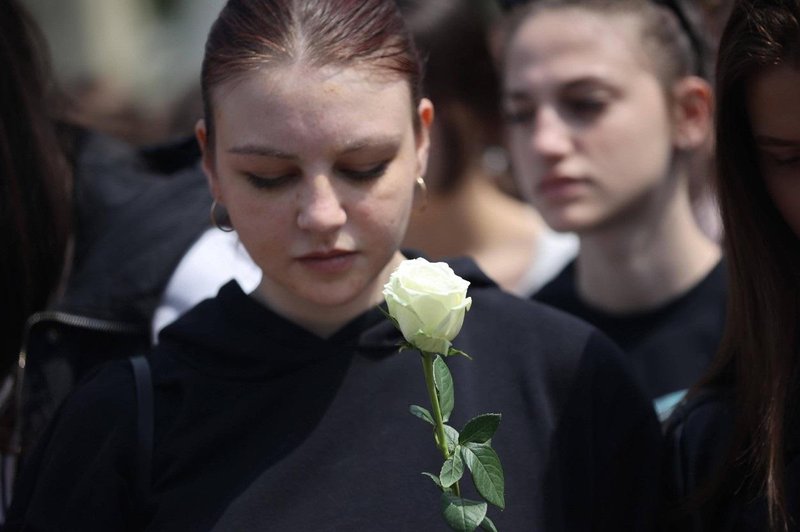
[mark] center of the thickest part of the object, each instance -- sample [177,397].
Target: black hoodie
[261,425]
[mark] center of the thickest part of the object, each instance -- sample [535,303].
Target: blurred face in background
[317,169]
[589,124]
[773,103]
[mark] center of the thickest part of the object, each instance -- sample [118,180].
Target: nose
[320,206]
[550,134]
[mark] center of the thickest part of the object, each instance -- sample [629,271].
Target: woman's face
[589,124]
[317,168]
[773,103]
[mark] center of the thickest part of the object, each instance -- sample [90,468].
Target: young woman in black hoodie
[286,408]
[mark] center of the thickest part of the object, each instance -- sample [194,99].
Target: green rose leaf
[461,514]
[487,525]
[433,477]
[421,413]
[452,470]
[452,438]
[444,385]
[487,473]
[479,429]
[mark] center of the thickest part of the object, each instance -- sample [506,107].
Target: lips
[560,188]
[329,261]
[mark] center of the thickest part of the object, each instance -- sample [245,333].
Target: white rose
[428,301]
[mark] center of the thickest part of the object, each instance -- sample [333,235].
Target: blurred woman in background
[467,212]
[604,121]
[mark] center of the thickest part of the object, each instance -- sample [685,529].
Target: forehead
[560,45]
[286,104]
[773,103]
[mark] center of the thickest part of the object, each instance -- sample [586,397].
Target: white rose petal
[428,301]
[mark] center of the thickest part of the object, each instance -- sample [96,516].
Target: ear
[425,116]
[692,112]
[207,160]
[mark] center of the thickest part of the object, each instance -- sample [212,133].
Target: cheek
[244,204]
[519,143]
[260,222]
[523,161]
[631,148]
[384,213]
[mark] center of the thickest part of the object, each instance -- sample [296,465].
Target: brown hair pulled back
[252,34]
[670,47]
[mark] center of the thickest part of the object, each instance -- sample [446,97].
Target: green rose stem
[427,367]
[427,302]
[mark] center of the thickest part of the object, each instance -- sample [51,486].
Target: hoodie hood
[236,336]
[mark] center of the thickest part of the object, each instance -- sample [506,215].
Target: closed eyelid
[776,151]
[373,171]
[590,88]
[267,183]
[767,141]
[593,92]
[274,180]
[781,156]
[266,170]
[779,148]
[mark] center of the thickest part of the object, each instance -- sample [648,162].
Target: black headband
[698,48]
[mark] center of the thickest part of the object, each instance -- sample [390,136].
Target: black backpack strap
[144,424]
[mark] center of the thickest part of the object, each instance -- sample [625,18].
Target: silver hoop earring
[423,188]
[225,227]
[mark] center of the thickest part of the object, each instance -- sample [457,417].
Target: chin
[561,223]
[573,218]
[336,296]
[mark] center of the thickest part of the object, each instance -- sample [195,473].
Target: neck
[326,320]
[638,265]
[432,230]
[480,221]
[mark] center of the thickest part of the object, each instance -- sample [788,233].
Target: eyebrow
[261,150]
[766,140]
[523,95]
[381,142]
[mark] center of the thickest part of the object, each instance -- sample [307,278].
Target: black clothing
[261,425]
[670,346]
[698,436]
[137,213]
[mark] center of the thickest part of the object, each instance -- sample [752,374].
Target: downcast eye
[367,174]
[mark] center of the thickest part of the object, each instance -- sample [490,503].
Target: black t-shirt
[670,346]
[261,425]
